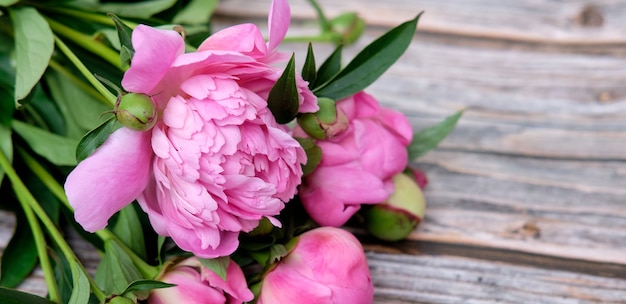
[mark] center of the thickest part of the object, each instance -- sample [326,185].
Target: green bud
[396,218]
[349,27]
[328,122]
[136,111]
[120,300]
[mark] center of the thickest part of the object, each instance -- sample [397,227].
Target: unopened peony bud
[120,300]
[328,122]
[136,111]
[349,26]
[396,218]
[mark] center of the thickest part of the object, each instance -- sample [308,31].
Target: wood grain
[555,22]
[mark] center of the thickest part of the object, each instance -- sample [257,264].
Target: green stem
[87,42]
[40,241]
[323,37]
[98,18]
[83,70]
[21,190]
[80,83]
[51,183]
[324,24]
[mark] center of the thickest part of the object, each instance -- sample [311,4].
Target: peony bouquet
[202,165]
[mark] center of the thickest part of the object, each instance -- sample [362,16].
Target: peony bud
[136,111]
[120,300]
[326,265]
[328,122]
[349,27]
[399,215]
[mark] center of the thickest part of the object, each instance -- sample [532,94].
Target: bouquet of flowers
[201,165]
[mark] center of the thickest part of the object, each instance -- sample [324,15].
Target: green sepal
[329,68]
[217,265]
[313,154]
[95,138]
[124,33]
[428,139]
[309,72]
[370,63]
[283,99]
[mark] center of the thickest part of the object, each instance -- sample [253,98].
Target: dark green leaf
[217,265]
[34,44]
[12,296]
[160,242]
[7,77]
[62,274]
[329,68]
[370,63]
[116,270]
[20,256]
[142,9]
[124,33]
[427,139]
[283,99]
[309,72]
[313,154]
[196,12]
[57,149]
[142,285]
[81,289]
[95,138]
[128,229]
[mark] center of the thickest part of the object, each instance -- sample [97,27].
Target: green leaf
[80,110]
[143,9]
[6,145]
[128,229]
[124,34]
[370,63]
[12,296]
[283,99]
[34,44]
[81,289]
[196,12]
[309,72]
[329,68]
[19,258]
[217,265]
[116,270]
[8,2]
[57,149]
[95,138]
[427,139]
[143,285]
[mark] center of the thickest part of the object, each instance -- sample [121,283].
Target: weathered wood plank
[554,22]
[571,209]
[443,279]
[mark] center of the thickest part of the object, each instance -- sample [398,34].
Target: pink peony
[358,164]
[216,161]
[196,284]
[327,265]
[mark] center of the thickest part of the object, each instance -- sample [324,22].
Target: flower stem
[87,42]
[50,182]
[40,241]
[83,69]
[31,203]
[98,18]
[325,26]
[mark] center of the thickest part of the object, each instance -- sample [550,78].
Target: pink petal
[111,178]
[397,123]
[243,38]
[278,22]
[155,51]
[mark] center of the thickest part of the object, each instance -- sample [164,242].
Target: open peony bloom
[327,265]
[358,164]
[216,161]
[196,284]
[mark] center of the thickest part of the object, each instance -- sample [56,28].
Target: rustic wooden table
[527,197]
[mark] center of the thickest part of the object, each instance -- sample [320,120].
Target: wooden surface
[527,197]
